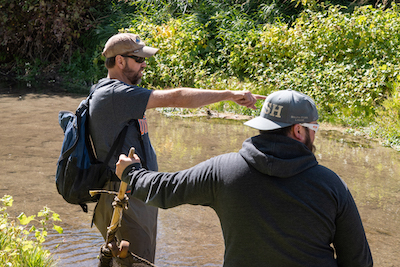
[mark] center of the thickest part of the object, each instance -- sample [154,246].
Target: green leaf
[56,217]
[7,200]
[28,245]
[58,229]
[25,220]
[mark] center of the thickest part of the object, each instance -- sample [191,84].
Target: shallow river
[30,139]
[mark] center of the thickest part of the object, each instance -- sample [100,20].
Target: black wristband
[127,174]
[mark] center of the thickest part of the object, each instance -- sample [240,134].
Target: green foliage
[346,62]
[20,245]
[258,10]
[42,33]
[387,124]
[185,40]
[345,58]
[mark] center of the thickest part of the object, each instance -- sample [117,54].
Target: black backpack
[78,169]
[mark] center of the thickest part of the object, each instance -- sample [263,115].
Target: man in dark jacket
[276,204]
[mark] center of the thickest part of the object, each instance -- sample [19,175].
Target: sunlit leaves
[7,200]
[25,220]
[348,62]
[59,229]
[21,237]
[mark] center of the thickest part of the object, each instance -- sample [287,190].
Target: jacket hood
[277,155]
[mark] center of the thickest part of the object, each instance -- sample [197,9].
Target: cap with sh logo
[284,108]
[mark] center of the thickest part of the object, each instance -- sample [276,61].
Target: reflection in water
[75,247]
[187,235]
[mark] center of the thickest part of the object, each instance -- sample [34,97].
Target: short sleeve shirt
[115,104]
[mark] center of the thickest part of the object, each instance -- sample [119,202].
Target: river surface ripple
[30,139]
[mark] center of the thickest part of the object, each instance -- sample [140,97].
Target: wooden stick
[118,209]
[123,249]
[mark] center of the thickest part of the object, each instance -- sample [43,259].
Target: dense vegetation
[345,56]
[21,237]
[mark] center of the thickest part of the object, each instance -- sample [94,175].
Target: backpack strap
[140,137]
[117,145]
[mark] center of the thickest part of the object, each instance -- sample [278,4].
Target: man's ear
[120,61]
[298,133]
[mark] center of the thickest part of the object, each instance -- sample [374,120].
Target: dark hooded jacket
[277,206]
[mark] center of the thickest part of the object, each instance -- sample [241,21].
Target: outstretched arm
[194,98]
[196,185]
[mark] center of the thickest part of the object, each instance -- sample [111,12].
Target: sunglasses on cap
[137,59]
[312,126]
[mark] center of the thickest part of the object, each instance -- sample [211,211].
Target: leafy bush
[17,246]
[347,62]
[387,124]
[259,10]
[40,33]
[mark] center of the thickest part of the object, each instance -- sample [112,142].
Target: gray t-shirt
[115,104]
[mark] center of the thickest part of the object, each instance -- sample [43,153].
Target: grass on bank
[21,241]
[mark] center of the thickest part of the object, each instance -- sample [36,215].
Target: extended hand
[247,99]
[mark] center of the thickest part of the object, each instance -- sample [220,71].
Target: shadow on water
[18,88]
[31,139]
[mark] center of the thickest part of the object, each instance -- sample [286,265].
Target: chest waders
[120,203]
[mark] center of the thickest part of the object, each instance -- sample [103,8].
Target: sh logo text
[273,110]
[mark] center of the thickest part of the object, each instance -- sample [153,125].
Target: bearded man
[277,206]
[117,101]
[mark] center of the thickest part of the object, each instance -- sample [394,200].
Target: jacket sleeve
[196,186]
[350,242]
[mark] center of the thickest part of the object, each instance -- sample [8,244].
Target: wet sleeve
[350,242]
[196,186]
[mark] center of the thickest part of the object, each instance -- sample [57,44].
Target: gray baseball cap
[284,108]
[127,43]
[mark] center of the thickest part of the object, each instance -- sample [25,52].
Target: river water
[30,139]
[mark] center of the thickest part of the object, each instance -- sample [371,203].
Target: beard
[308,142]
[133,76]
